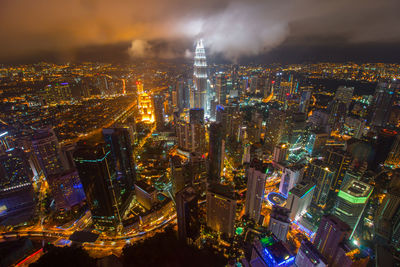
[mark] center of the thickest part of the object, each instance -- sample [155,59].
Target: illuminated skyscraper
[118,140]
[383,102]
[393,159]
[197,129]
[187,210]
[309,256]
[216,152]
[159,112]
[319,173]
[47,150]
[299,199]
[331,232]
[291,175]
[351,201]
[279,222]
[200,77]
[270,252]
[16,191]
[96,170]
[256,176]
[339,160]
[221,88]
[145,104]
[221,209]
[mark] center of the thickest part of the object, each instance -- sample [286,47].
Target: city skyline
[234,133]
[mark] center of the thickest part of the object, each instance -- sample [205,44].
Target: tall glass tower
[200,77]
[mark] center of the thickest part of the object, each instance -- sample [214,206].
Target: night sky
[260,31]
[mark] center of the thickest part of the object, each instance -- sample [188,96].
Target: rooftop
[302,189]
[355,191]
[145,187]
[223,190]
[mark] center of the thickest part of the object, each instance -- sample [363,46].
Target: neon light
[95,160]
[29,257]
[289,260]
[308,191]
[3,134]
[353,199]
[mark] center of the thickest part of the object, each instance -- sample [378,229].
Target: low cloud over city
[230,28]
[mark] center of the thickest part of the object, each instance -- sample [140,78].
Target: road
[97,131]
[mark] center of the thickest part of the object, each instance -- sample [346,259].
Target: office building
[221,209]
[66,189]
[349,255]
[187,210]
[393,159]
[299,199]
[14,169]
[305,100]
[386,217]
[344,94]
[280,153]
[351,201]
[319,120]
[309,256]
[338,160]
[279,222]
[159,112]
[256,176]
[319,173]
[216,152]
[331,232]
[291,175]
[179,173]
[17,200]
[274,128]
[382,103]
[146,195]
[184,135]
[316,142]
[119,140]
[221,88]
[47,150]
[197,131]
[270,252]
[56,93]
[96,168]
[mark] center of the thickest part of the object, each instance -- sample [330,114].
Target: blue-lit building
[66,189]
[270,252]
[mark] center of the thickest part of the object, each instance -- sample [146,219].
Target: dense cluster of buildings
[264,164]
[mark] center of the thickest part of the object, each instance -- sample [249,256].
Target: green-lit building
[351,201]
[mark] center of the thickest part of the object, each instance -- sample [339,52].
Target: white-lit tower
[200,77]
